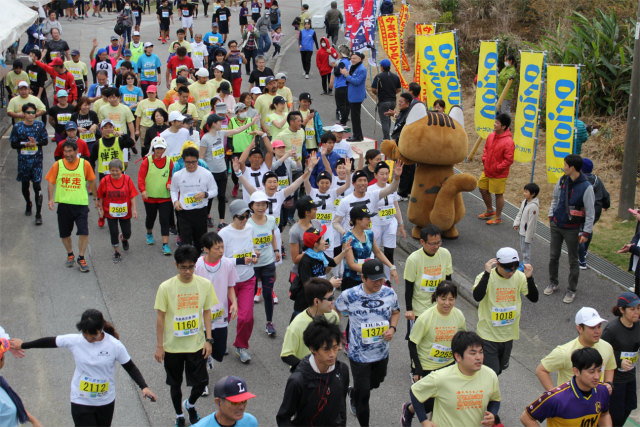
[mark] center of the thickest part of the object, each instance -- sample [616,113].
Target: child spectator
[527,219]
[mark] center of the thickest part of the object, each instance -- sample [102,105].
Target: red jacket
[498,155]
[322,57]
[65,78]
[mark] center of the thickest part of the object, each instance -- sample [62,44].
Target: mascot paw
[415,233]
[390,149]
[451,233]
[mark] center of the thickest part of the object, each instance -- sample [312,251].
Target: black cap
[373,269]
[358,174]
[341,161]
[279,100]
[305,204]
[324,175]
[255,150]
[305,95]
[213,118]
[182,80]
[188,118]
[269,79]
[359,212]
[267,175]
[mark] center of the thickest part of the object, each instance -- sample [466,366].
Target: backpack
[273,17]
[118,28]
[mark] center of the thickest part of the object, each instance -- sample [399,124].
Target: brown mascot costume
[435,143]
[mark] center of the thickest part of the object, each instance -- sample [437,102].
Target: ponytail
[111,330]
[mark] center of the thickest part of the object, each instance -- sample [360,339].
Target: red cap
[313,235]
[56,61]
[152,88]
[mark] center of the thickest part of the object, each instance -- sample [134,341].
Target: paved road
[39,297]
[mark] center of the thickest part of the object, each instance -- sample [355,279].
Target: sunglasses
[243,216]
[510,268]
[331,298]
[237,403]
[30,112]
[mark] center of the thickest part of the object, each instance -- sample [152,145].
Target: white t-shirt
[255,178]
[385,208]
[223,276]
[370,200]
[185,184]
[198,52]
[175,142]
[93,381]
[325,212]
[337,182]
[239,244]
[343,149]
[274,205]
[214,154]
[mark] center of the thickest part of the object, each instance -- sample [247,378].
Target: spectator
[602,202]
[633,248]
[332,21]
[386,86]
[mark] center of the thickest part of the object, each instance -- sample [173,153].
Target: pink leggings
[244,294]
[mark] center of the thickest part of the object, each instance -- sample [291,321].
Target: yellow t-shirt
[191,109]
[293,139]
[426,272]
[285,92]
[499,311]
[16,103]
[263,104]
[215,84]
[273,130]
[432,333]
[183,43]
[145,110]
[460,400]
[183,304]
[12,79]
[120,114]
[202,94]
[560,359]
[293,343]
[98,104]
[78,69]
[309,131]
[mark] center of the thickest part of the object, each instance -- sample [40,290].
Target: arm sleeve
[493,407]
[290,360]
[142,174]
[418,407]
[480,290]
[413,354]
[532,290]
[315,40]
[135,373]
[46,342]
[408,294]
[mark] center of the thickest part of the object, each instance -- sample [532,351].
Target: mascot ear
[456,114]
[418,111]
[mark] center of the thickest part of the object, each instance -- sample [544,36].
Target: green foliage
[449,6]
[445,18]
[604,48]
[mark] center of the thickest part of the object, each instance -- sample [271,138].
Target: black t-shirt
[55,49]
[186,10]
[87,121]
[308,268]
[37,78]
[223,11]
[161,14]
[255,75]
[137,11]
[623,339]
[387,84]
[61,116]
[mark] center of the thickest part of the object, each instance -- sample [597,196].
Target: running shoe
[275,297]
[352,405]
[99,15]
[209,223]
[494,221]
[193,414]
[583,266]
[407,415]
[150,240]
[306,76]
[243,354]
[101,222]
[551,288]
[159,38]
[172,230]
[270,330]
[222,225]
[166,250]
[258,296]
[569,297]
[234,192]
[82,264]
[180,422]
[117,257]
[71,259]
[205,393]
[38,219]
[179,241]
[283,253]
[27,211]
[487,215]
[125,243]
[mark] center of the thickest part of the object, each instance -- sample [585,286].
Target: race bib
[204,104]
[190,200]
[361,261]
[429,282]
[29,151]
[118,210]
[213,39]
[631,356]
[198,53]
[88,137]
[372,332]
[244,255]
[185,12]
[54,55]
[149,112]
[33,76]
[503,316]
[309,134]
[93,387]
[150,73]
[235,68]
[130,98]
[174,159]
[136,13]
[262,241]
[387,213]
[184,326]
[262,80]
[63,118]
[324,216]
[336,202]
[255,10]
[165,13]
[222,17]
[60,83]
[77,74]
[218,153]
[217,315]
[283,182]
[440,353]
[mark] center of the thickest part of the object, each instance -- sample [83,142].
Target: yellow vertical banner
[402,21]
[388,27]
[487,88]
[422,29]
[525,126]
[562,95]
[439,67]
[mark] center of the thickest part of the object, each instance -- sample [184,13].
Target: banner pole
[535,144]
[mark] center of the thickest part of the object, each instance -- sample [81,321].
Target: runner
[186,14]
[144,115]
[70,176]
[624,336]
[589,326]
[191,188]
[165,17]
[430,340]
[109,147]
[238,244]
[183,303]
[60,114]
[28,137]
[175,136]
[87,122]
[311,124]
[130,93]
[373,315]
[79,70]
[200,53]
[117,203]
[498,291]
[231,395]
[284,167]
[468,377]
[95,350]
[259,164]
[328,155]
[315,393]
[579,401]
[202,92]
[14,109]
[121,117]
[71,129]
[160,124]
[235,58]
[149,68]
[307,210]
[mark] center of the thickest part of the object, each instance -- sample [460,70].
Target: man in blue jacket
[356,77]
[340,85]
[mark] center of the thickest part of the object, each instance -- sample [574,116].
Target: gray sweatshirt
[527,219]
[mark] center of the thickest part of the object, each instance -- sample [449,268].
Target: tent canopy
[14,21]
[34,3]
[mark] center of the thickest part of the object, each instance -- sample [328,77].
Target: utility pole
[632,140]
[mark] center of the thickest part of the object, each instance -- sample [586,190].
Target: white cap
[258,196]
[136,33]
[158,142]
[256,90]
[23,84]
[175,115]
[202,72]
[220,68]
[147,44]
[337,128]
[588,316]
[281,76]
[507,255]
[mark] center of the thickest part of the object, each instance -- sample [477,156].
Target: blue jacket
[333,158]
[581,198]
[339,80]
[356,91]
[306,39]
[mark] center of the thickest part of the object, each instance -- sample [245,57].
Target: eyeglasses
[30,112]
[243,217]
[190,162]
[186,267]
[331,298]
[507,269]
[237,403]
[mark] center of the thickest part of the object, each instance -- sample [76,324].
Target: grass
[609,237]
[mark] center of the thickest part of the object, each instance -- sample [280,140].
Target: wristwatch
[206,195]
[210,341]
[394,328]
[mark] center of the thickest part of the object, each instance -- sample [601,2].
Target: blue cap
[385,63]
[587,165]
[101,51]
[628,299]
[126,52]
[61,92]
[71,125]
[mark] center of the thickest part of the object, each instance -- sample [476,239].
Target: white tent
[34,3]
[14,21]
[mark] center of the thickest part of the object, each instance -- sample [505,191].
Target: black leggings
[27,195]
[125,226]
[192,224]
[326,78]
[176,396]
[306,55]
[205,4]
[356,126]
[99,416]
[221,182]
[388,252]
[165,211]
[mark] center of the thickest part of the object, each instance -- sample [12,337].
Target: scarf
[22,413]
[317,255]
